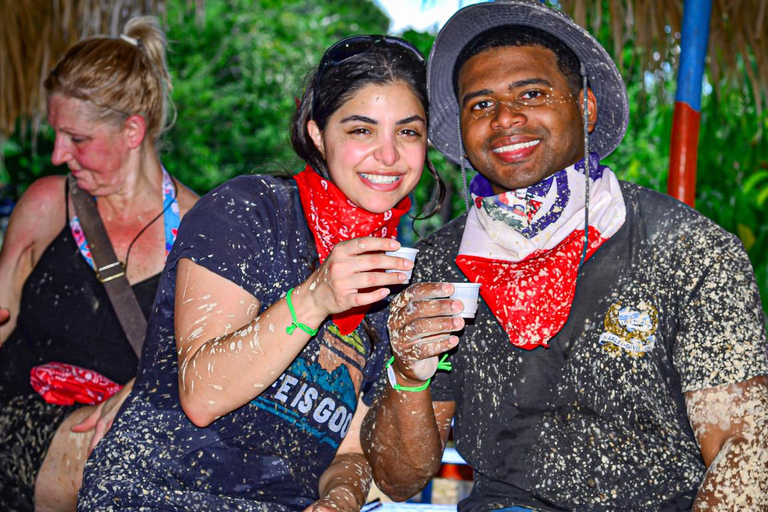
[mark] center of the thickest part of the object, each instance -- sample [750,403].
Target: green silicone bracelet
[295,322]
[442,365]
[398,387]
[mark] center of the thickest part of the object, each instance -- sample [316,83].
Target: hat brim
[604,78]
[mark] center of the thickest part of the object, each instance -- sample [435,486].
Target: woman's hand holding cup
[355,274]
[408,253]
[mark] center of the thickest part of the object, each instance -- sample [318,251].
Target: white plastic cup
[409,253]
[467,294]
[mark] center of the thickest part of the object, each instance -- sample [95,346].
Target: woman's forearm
[226,372]
[221,370]
[346,481]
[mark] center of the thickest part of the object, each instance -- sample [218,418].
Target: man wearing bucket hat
[617,360]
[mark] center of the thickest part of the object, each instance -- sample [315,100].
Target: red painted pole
[683,153]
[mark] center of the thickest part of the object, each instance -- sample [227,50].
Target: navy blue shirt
[270,453]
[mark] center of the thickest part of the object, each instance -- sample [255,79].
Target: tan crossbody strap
[109,270]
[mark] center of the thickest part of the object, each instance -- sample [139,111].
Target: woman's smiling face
[375,145]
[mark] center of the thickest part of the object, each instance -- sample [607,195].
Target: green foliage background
[238,72]
[238,76]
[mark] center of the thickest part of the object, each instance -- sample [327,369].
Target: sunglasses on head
[356,45]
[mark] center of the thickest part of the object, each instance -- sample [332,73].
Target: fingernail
[457,306]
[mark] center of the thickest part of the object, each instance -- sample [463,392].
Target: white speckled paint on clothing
[269,454]
[598,421]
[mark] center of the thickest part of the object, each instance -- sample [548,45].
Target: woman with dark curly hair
[269,330]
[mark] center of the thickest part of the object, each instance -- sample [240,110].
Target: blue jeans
[514,509]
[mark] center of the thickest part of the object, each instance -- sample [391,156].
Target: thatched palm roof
[738,31]
[35,33]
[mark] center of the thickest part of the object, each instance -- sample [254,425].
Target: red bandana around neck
[531,298]
[525,248]
[333,218]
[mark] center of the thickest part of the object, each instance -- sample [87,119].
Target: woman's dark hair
[384,61]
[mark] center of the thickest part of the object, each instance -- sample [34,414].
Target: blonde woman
[108,105]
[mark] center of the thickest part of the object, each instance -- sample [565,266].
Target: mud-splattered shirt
[269,454]
[598,421]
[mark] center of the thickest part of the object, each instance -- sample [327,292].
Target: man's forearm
[402,441]
[737,479]
[731,425]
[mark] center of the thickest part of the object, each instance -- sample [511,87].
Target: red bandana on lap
[333,218]
[525,247]
[65,384]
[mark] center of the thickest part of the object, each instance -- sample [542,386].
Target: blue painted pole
[687,116]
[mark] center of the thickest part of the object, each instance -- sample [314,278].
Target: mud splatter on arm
[222,367]
[405,433]
[345,484]
[403,437]
[730,423]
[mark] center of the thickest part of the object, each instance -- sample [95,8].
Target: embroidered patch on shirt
[631,329]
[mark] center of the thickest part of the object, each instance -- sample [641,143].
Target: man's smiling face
[520,122]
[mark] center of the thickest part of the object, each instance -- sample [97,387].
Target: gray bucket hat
[604,79]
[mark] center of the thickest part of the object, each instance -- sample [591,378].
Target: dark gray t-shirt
[598,421]
[269,454]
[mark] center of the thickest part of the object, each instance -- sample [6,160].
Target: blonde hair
[120,77]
